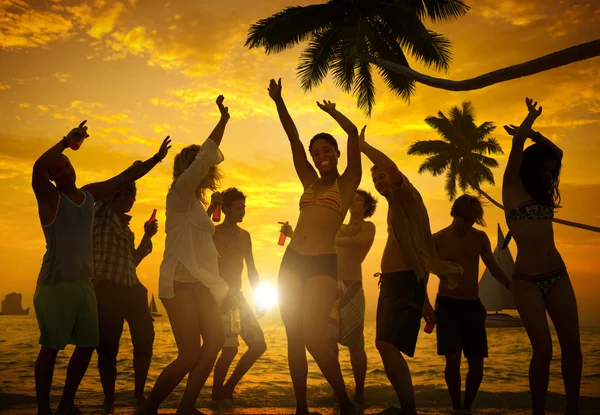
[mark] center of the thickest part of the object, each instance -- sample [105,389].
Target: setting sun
[266,296]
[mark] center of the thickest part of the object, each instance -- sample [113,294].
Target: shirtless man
[353,242]
[235,246]
[459,312]
[408,258]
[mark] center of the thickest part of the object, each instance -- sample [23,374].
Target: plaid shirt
[114,247]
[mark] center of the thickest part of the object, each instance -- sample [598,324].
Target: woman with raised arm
[190,286]
[540,282]
[64,300]
[308,273]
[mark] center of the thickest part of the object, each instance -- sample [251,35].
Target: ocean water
[268,384]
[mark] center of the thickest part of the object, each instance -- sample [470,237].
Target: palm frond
[484,130]
[291,26]
[484,160]
[430,147]
[435,164]
[385,46]
[364,87]
[489,146]
[442,126]
[427,47]
[316,58]
[440,10]
[450,186]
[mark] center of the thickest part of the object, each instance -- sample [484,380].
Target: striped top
[331,199]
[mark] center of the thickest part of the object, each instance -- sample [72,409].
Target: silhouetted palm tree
[347,36]
[343,35]
[461,154]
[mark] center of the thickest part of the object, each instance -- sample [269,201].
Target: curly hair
[532,168]
[370,202]
[469,208]
[184,159]
[231,195]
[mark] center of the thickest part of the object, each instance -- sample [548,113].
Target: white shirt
[190,230]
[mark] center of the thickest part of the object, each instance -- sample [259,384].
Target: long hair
[532,167]
[183,160]
[469,208]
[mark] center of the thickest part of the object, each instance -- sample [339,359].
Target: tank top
[69,254]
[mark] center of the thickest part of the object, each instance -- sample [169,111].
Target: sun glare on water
[265,295]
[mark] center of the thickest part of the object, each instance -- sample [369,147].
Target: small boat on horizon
[494,296]
[153,310]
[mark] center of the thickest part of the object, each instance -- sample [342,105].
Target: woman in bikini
[308,273]
[540,282]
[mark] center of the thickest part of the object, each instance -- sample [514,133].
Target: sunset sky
[141,70]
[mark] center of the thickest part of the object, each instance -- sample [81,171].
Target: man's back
[233,244]
[463,248]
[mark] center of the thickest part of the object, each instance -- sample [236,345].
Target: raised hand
[150,229]
[274,89]
[223,109]
[78,133]
[531,106]
[286,229]
[327,106]
[361,138]
[164,148]
[512,129]
[216,198]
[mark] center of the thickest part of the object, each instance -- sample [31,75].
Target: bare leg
[453,381]
[213,337]
[185,324]
[44,371]
[333,346]
[254,352]
[562,307]
[291,293]
[221,369]
[532,309]
[78,364]
[399,375]
[474,378]
[141,327]
[319,296]
[358,359]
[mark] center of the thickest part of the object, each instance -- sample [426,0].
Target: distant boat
[494,296]
[11,306]
[153,310]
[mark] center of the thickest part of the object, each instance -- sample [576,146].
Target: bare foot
[66,409]
[359,400]
[302,410]
[349,408]
[189,411]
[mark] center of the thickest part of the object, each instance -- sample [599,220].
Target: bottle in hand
[234,316]
[282,238]
[75,144]
[152,217]
[429,326]
[216,216]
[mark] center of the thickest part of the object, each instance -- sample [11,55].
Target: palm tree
[343,34]
[462,154]
[346,37]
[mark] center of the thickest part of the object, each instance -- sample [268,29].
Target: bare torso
[393,259]
[351,256]
[233,245]
[463,249]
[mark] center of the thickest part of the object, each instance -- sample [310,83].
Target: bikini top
[331,199]
[530,210]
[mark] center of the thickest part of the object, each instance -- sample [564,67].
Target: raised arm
[306,172]
[45,192]
[217,133]
[490,262]
[102,190]
[513,166]
[382,162]
[353,172]
[145,246]
[364,238]
[538,138]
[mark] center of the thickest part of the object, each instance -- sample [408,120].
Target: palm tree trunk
[554,60]
[555,220]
